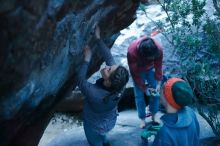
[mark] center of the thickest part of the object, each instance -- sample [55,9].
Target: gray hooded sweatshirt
[99,115]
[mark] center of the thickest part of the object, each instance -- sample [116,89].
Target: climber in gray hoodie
[180,125]
[101,98]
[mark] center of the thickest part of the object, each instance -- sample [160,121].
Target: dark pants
[93,137]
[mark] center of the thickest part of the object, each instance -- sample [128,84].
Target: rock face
[41,50]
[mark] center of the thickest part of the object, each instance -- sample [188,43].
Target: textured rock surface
[41,50]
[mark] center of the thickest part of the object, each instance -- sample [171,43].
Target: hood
[181,119]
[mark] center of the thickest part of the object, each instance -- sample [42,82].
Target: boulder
[41,51]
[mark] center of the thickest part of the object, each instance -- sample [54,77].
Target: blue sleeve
[195,120]
[87,88]
[105,51]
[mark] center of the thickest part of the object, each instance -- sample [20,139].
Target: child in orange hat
[180,125]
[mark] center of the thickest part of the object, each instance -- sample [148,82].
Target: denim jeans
[148,76]
[94,138]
